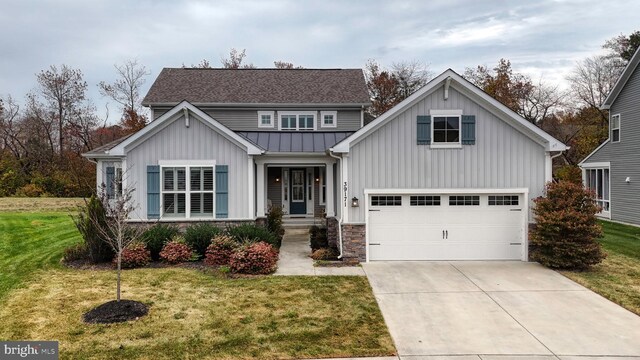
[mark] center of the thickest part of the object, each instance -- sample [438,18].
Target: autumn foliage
[256,258]
[566,231]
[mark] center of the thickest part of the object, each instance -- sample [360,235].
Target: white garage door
[446,226]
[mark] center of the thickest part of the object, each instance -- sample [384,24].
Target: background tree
[389,87]
[278,64]
[125,90]
[64,92]
[235,59]
[624,46]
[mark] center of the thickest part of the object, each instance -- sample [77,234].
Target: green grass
[31,243]
[618,277]
[193,314]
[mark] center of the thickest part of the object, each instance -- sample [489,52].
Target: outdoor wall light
[277,178]
[355,202]
[317,179]
[628,179]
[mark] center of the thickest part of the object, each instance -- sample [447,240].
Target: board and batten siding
[274,188]
[196,142]
[247,120]
[502,157]
[623,155]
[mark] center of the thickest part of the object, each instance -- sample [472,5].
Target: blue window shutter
[222,191]
[468,129]
[424,129]
[153,191]
[110,181]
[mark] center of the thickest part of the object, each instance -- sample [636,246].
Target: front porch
[302,187]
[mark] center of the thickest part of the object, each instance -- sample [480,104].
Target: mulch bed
[116,311]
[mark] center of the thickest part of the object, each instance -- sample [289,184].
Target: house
[446,174]
[612,171]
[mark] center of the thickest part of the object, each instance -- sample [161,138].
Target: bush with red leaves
[176,251]
[135,255]
[220,251]
[256,258]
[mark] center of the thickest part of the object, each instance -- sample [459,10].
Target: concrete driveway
[498,310]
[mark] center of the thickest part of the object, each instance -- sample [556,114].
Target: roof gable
[259,86]
[486,101]
[622,81]
[162,121]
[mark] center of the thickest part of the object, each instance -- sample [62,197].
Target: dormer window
[615,128]
[265,119]
[328,119]
[297,121]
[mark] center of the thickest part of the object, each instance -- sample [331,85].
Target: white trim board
[622,81]
[534,132]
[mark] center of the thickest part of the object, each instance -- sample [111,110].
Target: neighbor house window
[597,180]
[265,119]
[615,128]
[297,121]
[445,128]
[188,191]
[328,118]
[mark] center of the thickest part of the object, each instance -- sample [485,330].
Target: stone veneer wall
[353,242]
[332,231]
[182,225]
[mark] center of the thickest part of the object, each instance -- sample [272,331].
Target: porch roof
[295,141]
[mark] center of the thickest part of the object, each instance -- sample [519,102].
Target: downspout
[553,157]
[336,203]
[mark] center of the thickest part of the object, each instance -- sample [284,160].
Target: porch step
[302,222]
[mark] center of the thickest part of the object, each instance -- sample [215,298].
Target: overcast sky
[541,38]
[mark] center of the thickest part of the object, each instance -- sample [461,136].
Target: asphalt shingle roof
[258,86]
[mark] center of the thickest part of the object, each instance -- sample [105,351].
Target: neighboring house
[612,170]
[446,174]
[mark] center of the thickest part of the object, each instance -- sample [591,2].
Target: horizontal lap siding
[624,158]
[197,142]
[390,158]
[247,120]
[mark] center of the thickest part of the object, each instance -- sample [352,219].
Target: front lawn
[192,314]
[618,277]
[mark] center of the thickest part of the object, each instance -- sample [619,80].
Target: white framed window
[597,179]
[615,128]
[188,190]
[446,128]
[328,119]
[296,121]
[265,119]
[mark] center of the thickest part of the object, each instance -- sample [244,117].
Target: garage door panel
[456,232]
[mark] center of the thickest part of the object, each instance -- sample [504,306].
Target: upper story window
[615,128]
[328,119]
[445,128]
[297,120]
[265,119]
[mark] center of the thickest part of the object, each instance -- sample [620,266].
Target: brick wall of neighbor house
[353,242]
[332,231]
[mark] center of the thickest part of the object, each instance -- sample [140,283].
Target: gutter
[339,219]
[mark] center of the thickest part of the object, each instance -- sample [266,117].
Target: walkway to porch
[295,260]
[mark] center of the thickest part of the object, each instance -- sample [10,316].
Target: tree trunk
[118,282]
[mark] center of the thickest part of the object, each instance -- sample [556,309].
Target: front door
[297,187]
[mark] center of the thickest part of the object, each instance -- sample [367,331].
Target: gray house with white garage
[612,170]
[447,174]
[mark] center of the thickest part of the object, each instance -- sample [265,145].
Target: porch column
[260,190]
[330,208]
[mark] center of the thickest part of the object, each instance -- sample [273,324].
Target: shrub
[566,231]
[135,255]
[254,233]
[176,251]
[76,252]
[318,238]
[569,173]
[220,250]
[325,254]
[199,237]
[274,221]
[97,247]
[30,190]
[255,258]
[157,236]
